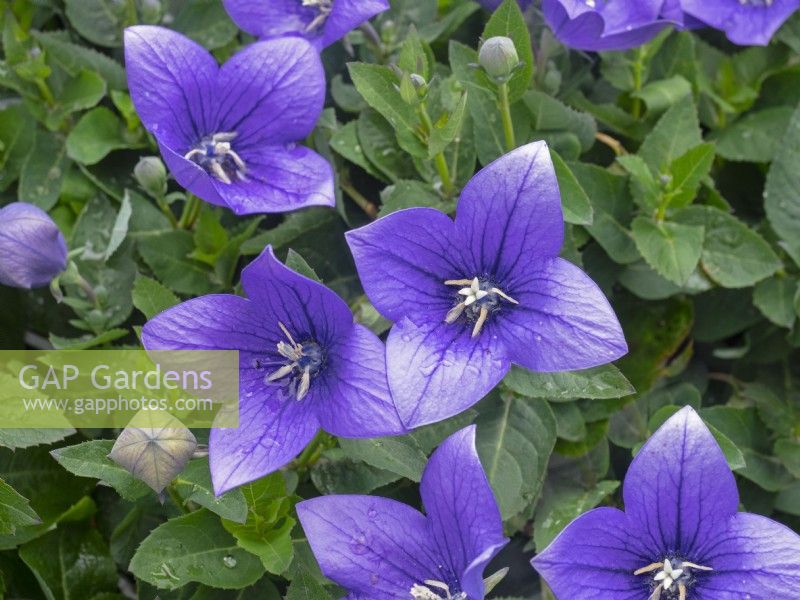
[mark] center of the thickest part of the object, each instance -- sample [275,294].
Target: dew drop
[229,561]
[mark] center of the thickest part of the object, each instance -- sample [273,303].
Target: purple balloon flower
[380,548]
[745,22]
[228,134]
[470,297]
[598,25]
[304,364]
[321,22]
[32,250]
[680,536]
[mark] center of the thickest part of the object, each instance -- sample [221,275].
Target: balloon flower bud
[498,57]
[32,249]
[151,174]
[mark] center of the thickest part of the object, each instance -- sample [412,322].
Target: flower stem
[505,113]
[638,67]
[190,211]
[439,160]
[363,202]
[87,289]
[611,142]
[175,497]
[313,451]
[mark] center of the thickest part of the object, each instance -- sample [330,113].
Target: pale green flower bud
[498,57]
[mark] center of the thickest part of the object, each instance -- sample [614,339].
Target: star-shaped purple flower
[321,22]
[229,134]
[32,249]
[745,22]
[470,297]
[380,548]
[599,25]
[680,537]
[304,364]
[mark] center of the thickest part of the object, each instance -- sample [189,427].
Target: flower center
[303,361]
[476,301]
[324,8]
[216,156]
[440,591]
[672,578]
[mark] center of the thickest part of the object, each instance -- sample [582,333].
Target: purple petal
[679,489]
[347,15]
[404,259]
[214,322]
[270,93]
[279,179]
[282,17]
[357,402]
[621,17]
[32,248]
[562,322]
[462,511]
[745,24]
[594,558]
[438,370]
[307,308]
[274,427]
[753,557]
[372,546]
[172,85]
[510,213]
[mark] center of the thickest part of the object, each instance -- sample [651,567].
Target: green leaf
[72,562]
[43,172]
[774,297]
[447,128]
[410,194]
[206,22]
[575,200]
[401,455]
[644,187]
[74,58]
[98,133]
[151,297]
[90,459]
[570,423]
[101,21]
[194,548]
[267,531]
[346,144]
[415,56]
[677,131]
[755,137]
[79,93]
[15,510]
[597,383]
[167,254]
[376,84]
[16,141]
[299,265]
[687,171]
[515,438]
[25,438]
[338,474]
[672,249]
[551,115]
[194,485]
[508,21]
[380,146]
[661,94]
[305,587]
[565,505]
[782,191]
[733,254]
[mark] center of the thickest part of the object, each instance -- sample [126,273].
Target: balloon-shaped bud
[32,249]
[498,57]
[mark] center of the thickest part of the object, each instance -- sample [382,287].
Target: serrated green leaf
[514,440]
[376,84]
[774,297]
[755,137]
[194,548]
[575,200]
[686,172]
[672,249]
[98,133]
[508,21]
[151,297]
[15,510]
[782,191]
[401,455]
[603,382]
[676,132]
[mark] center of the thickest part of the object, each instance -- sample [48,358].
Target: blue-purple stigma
[323,7]
[476,301]
[216,156]
[304,360]
[673,578]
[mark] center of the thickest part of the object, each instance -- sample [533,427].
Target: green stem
[505,113]
[439,160]
[313,451]
[175,497]
[45,91]
[357,197]
[638,67]
[190,211]
[162,204]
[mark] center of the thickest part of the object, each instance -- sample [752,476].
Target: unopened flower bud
[498,56]
[151,175]
[32,250]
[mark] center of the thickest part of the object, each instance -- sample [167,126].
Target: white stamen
[668,575]
[424,592]
[476,295]
[324,8]
[294,353]
[215,154]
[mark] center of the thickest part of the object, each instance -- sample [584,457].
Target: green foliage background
[679,165]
